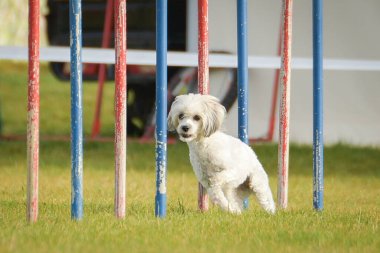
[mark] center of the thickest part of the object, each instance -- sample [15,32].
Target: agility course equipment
[120,106]
[33,110]
[242,83]
[242,80]
[76,110]
[286,42]
[203,76]
[318,167]
[283,145]
[161,101]
[161,104]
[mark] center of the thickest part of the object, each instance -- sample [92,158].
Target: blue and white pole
[161,106]
[242,79]
[318,104]
[76,110]
[242,70]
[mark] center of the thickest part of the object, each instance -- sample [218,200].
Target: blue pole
[242,79]
[76,110]
[161,106]
[317,105]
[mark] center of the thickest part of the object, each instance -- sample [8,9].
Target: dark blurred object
[141,19]
[140,22]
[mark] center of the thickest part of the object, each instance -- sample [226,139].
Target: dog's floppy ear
[214,115]
[172,118]
[171,123]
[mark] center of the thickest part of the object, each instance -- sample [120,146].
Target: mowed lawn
[349,222]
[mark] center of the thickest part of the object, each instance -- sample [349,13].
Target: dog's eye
[196,118]
[181,116]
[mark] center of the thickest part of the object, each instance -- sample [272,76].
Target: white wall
[351,31]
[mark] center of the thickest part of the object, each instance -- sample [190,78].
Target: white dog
[224,165]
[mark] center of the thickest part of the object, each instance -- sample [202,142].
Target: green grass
[349,222]
[54,102]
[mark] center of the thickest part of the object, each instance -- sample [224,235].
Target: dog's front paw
[234,209]
[271,208]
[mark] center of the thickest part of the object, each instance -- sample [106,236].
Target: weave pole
[318,105]
[203,77]
[76,110]
[161,106]
[242,76]
[283,147]
[120,106]
[33,110]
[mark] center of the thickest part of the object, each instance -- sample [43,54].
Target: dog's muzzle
[186,135]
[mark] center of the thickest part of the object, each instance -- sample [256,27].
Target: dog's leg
[264,196]
[233,200]
[217,197]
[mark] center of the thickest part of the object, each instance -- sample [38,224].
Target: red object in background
[96,125]
[272,116]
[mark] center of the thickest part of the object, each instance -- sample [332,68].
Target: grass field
[349,223]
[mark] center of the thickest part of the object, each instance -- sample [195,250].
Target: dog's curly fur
[224,165]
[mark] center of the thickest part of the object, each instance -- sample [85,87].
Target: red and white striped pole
[33,109]
[203,76]
[120,106]
[283,146]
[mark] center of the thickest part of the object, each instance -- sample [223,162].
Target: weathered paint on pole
[102,75]
[203,76]
[203,70]
[161,106]
[120,106]
[283,146]
[76,109]
[33,110]
[242,77]
[318,169]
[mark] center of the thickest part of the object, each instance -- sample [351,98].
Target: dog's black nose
[185,128]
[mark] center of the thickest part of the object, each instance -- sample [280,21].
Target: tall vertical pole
[161,106]
[283,146]
[318,104]
[242,70]
[203,71]
[242,77]
[203,76]
[76,110]
[33,110]
[120,106]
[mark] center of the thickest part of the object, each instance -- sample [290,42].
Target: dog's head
[195,116]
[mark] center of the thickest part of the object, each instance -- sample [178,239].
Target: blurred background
[350,33]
